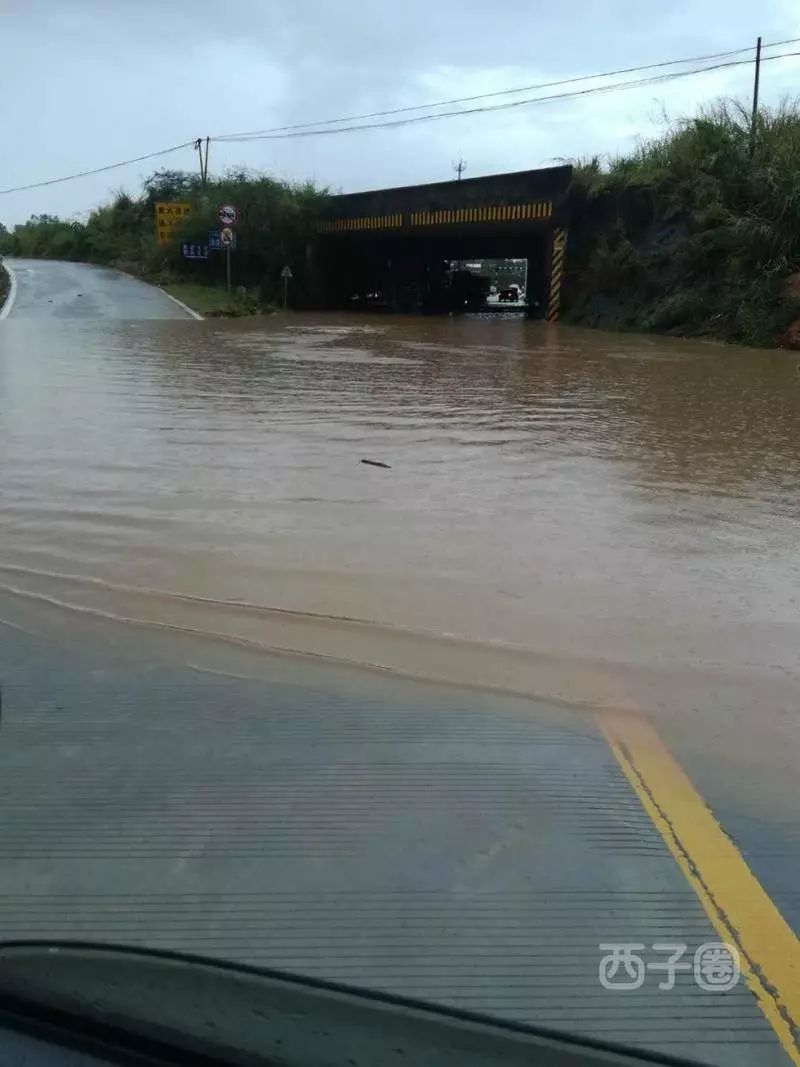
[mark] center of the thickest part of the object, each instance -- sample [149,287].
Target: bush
[615,261]
[275,221]
[686,311]
[696,229]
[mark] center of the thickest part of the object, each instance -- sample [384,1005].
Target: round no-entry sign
[227,214]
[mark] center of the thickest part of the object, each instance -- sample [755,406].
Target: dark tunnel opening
[434,273]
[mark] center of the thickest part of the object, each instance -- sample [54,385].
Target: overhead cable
[97,170]
[506,105]
[502,92]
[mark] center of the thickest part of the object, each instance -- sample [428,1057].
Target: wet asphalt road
[464,848]
[56,290]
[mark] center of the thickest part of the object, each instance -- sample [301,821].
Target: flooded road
[603,519]
[607,500]
[608,522]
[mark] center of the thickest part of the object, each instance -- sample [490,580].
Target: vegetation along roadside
[275,220]
[694,233]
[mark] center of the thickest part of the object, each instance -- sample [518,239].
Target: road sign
[227,238]
[227,214]
[214,242]
[169,214]
[190,251]
[287,272]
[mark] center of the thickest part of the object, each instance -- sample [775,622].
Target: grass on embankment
[5,285]
[694,233]
[214,302]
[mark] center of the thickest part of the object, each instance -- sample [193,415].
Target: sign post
[227,215]
[227,238]
[286,274]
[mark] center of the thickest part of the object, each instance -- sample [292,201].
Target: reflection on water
[625,502]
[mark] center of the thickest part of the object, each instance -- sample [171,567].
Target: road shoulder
[8,289]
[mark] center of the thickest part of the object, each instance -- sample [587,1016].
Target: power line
[97,170]
[481,96]
[310,130]
[501,92]
[529,101]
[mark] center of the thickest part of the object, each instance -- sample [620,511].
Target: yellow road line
[741,911]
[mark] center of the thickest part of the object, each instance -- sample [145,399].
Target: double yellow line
[740,910]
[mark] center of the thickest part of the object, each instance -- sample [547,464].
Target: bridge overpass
[391,246]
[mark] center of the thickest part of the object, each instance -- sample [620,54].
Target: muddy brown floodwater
[609,520]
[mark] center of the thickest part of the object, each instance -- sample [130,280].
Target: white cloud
[94,81]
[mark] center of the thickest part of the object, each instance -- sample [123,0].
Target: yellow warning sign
[169,215]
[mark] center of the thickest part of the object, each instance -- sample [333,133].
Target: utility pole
[459,168]
[198,145]
[756,79]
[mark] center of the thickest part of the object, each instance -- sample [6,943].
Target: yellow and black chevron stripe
[541,209]
[370,222]
[556,273]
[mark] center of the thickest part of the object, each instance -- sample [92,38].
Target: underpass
[394,248]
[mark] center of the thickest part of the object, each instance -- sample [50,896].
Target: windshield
[365,611]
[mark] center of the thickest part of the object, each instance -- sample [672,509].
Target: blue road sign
[190,251]
[222,240]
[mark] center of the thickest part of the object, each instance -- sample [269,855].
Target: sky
[91,82]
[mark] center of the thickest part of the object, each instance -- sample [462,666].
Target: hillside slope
[694,233]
